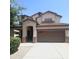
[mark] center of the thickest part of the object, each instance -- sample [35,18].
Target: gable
[52,13]
[29,23]
[49,17]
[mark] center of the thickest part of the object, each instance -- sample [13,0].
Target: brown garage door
[51,36]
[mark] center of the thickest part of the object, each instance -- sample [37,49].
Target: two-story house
[44,27]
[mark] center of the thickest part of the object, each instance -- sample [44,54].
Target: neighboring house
[44,27]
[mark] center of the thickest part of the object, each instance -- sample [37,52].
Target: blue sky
[59,6]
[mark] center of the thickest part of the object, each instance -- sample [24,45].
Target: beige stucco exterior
[54,32]
[48,15]
[35,16]
[66,35]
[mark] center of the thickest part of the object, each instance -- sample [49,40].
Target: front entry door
[30,34]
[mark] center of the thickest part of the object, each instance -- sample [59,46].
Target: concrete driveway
[48,51]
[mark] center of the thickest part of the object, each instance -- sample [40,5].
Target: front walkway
[48,51]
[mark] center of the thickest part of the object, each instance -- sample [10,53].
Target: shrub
[14,44]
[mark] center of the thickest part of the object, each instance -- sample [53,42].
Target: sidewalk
[48,51]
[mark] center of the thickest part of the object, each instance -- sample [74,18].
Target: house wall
[48,15]
[35,16]
[25,25]
[66,35]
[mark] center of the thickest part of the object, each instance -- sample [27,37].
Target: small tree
[15,10]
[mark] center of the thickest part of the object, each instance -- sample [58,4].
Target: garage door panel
[51,36]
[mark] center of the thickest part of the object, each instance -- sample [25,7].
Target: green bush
[14,44]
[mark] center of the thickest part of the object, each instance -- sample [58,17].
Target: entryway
[29,34]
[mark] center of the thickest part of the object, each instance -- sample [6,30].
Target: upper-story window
[48,20]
